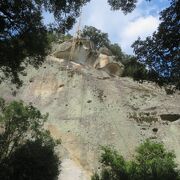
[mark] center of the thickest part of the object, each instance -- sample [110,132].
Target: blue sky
[122,29]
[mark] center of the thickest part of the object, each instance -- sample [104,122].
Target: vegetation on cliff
[151,162]
[27,151]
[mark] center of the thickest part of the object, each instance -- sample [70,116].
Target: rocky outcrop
[106,62]
[82,52]
[78,50]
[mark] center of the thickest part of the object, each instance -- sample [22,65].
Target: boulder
[78,50]
[82,51]
[108,64]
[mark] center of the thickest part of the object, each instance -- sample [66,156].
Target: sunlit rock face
[106,62]
[82,52]
[89,108]
[78,50]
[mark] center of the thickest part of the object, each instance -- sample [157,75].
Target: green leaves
[160,52]
[114,165]
[152,162]
[116,51]
[32,160]
[26,148]
[126,6]
[99,38]
[20,122]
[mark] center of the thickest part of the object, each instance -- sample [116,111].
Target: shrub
[26,148]
[151,162]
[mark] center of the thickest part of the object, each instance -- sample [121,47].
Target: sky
[122,29]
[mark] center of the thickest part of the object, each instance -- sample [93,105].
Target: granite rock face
[89,107]
[82,51]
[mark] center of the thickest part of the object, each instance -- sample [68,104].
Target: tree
[25,144]
[115,165]
[160,52]
[117,52]
[101,39]
[134,69]
[152,162]
[32,160]
[126,6]
[98,37]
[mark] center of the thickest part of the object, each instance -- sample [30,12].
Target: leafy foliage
[126,6]
[99,38]
[26,148]
[33,160]
[152,162]
[117,52]
[160,52]
[138,71]
[134,69]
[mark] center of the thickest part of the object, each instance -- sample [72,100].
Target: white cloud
[141,27]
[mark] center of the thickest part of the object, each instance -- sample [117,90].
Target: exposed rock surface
[82,51]
[88,108]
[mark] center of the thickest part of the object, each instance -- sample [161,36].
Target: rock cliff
[90,106]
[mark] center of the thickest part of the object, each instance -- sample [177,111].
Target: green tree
[26,148]
[101,39]
[160,52]
[117,52]
[134,69]
[152,162]
[33,160]
[126,6]
[139,72]
[98,37]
